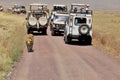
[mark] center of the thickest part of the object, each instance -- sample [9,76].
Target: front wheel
[45,31]
[28,31]
[67,39]
[52,32]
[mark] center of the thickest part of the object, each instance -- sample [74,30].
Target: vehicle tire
[52,32]
[84,29]
[28,31]
[67,39]
[18,12]
[44,31]
[24,12]
[89,41]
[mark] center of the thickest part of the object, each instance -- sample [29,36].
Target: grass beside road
[106,31]
[12,31]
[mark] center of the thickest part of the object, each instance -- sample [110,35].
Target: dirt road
[52,59]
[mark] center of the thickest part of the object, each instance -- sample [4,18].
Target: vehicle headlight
[43,20]
[84,29]
[18,9]
[32,21]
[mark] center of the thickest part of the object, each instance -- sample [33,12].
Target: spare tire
[43,20]
[84,29]
[32,21]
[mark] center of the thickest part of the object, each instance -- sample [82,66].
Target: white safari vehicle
[59,16]
[79,25]
[57,26]
[17,9]
[37,18]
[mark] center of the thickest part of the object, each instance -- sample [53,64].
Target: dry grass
[12,31]
[106,31]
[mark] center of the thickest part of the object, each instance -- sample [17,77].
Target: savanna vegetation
[106,31]
[12,31]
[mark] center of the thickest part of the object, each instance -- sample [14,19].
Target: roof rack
[59,5]
[76,4]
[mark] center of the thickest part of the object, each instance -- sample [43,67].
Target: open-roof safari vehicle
[18,9]
[37,18]
[57,26]
[79,25]
[59,16]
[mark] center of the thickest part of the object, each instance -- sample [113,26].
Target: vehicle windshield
[61,18]
[79,21]
[23,7]
[59,8]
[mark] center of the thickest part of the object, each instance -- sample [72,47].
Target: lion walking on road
[29,42]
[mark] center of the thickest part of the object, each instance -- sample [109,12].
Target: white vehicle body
[17,9]
[57,25]
[37,18]
[79,26]
[74,28]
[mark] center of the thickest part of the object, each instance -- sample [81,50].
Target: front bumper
[59,27]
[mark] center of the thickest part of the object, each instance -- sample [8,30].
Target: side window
[80,21]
